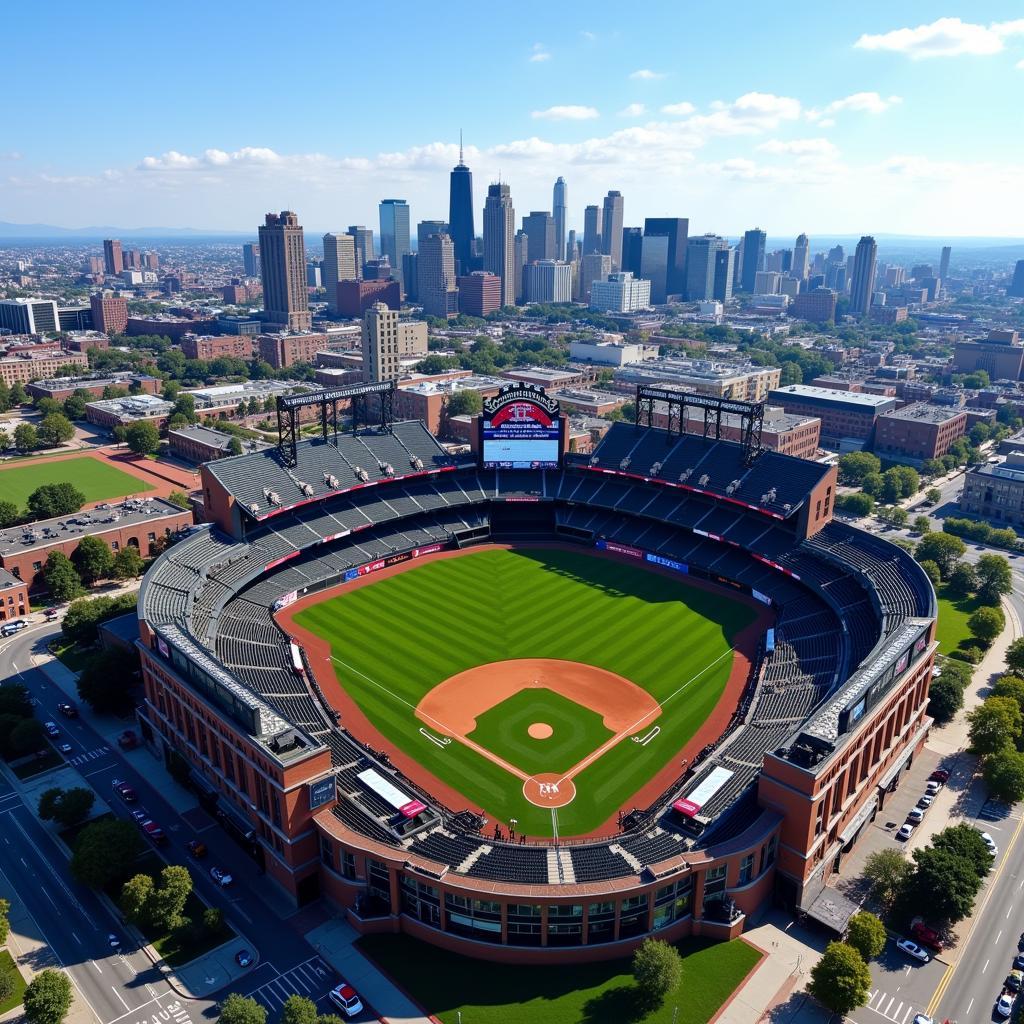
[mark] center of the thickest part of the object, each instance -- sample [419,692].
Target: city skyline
[876,119]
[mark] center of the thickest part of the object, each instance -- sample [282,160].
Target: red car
[128,740]
[939,775]
[153,832]
[124,791]
[927,936]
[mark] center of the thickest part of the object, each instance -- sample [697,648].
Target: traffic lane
[901,987]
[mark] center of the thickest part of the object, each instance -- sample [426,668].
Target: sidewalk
[334,942]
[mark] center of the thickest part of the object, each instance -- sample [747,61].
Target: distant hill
[10,230]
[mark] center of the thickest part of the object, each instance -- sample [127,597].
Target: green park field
[393,641]
[96,479]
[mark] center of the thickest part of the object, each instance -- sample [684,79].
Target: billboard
[321,792]
[521,428]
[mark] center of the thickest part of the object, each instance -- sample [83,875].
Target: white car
[1004,1004]
[346,999]
[925,802]
[222,878]
[913,949]
[906,831]
[932,788]
[923,1018]
[916,816]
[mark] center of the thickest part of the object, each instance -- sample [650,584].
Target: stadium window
[633,916]
[600,923]
[746,869]
[525,927]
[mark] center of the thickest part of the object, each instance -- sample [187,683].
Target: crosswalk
[890,1007]
[312,979]
[89,755]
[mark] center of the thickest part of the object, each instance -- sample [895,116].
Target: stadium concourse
[831,715]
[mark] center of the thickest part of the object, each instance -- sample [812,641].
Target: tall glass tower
[460,214]
[560,210]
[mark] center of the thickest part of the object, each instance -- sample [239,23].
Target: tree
[986,624]
[298,1010]
[995,578]
[236,1009]
[234,446]
[895,515]
[791,373]
[854,466]
[840,980]
[5,920]
[1009,686]
[104,851]
[858,504]
[55,430]
[944,882]
[62,580]
[965,841]
[26,737]
[922,524]
[465,403]
[994,724]
[962,580]
[213,920]
[9,514]
[657,970]
[80,624]
[74,407]
[1004,775]
[931,570]
[51,500]
[866,934]
[47,998]
[127,564]
[136,894]
[943,549]
[143,438]
[19,396]
[168,901]
[1015,656]
[26,439]
[887,870]
[93,560]
[179,498]
[945,699]
[67,807]
[120,433]
[6,985]
[106,684]
[934,495]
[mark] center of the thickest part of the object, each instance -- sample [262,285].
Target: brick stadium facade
[833,712]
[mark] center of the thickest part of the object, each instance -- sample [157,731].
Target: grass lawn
[48,759]
[96,479]
[672,639]
[8,966]
[71,655]
[954,612]
[445,984]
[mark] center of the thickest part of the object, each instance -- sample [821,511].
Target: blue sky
[869,117]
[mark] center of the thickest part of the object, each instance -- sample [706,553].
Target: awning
[832,909]
[377,783]
[858,820]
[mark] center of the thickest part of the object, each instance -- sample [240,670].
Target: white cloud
[946,37]
[678,109]
[540,54]
[633,110]
[647,75]
[862,102]
[566,112]
[750,114]
[1019,65]
[173,160]
[799,147]
[589,36]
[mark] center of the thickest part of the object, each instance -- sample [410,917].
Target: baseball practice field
[543,685]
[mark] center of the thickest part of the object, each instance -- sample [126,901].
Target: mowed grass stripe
[413,630]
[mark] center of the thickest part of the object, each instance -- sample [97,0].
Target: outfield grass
[446,985]
[96,479]
[8,966]
[396,640]
[951,629]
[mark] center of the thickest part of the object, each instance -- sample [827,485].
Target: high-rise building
[620,293]
[520,257]
[426,228]
[944,262]
[862,281]
[539,227]
[479,293]
[766,282]
[594,266]
[339,264]
[654,265]
[548,281]
[753,257]
[363,238]
[113,258]
[394,232]
[572,251]
[109,314]
[560,211]
[499,238]
[251,259]
[151,261]
[460,213]
[611,228]
[283,271]
[801,258]
[632,250]
[29,316]
[702,255]
[379,269]
[380,348]
[435,270]
[725,263]
[410,276]
[312,274]
[1016,288]
[591,230]
[677,229]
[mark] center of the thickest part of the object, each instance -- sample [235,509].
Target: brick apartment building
[195,443]
[109,313]
[479,293]
[22,368]
[918,432]
[172,327]
[356,297]
[818,306]
[213,346]
[995,491]
[61,388]
[1000,355]
[85,341]
[13,596]
[282,350]
[846,416]
[427,400]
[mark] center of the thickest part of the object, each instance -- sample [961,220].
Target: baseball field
[95,478]
[536,683]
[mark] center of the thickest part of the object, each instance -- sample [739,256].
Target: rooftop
[8,580]
[114,380]
[831,395]
[550,373]
[691,369]
[205,435]
[924,413]
[134,406]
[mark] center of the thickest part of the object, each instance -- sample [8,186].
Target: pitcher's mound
[540,731]
[549,790]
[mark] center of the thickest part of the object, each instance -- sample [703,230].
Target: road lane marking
[119,996]
[97,966]
[985,968]
[76,938]
[970,1004]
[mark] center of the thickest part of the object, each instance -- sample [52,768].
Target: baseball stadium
[532,705]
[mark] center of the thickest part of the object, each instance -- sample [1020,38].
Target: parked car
[51,614]
[905,832]
[923,1018]
[939,775]
[925,802]
[932,788]
[345,999]
[221,877]
[68,710]
[1004,1004]
[911,948]
[114,941]
[196,848]
[916,816]
[243,958]
[140,814]
[124,791]
[51,728]
[922,933]
[128,740]
[12,627]
[65,748]
[1018,962]
[1013,980]
[153,832]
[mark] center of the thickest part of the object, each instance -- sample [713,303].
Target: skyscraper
[801,258]
[499,238]
[654,265]
[339,265]
[560,210]
[460,213]
[677,229]
[539,227]
[113,259]
[283,270]
[632,249]
[435,269]
[724,262]
[426,228]
[572,251]
[702,266]
[862,282]
[364,245]
[944,262]
[591,230]
[251,259]
[1016,287]
[611,228]
[593,267]
[753,257]
[394,232]
[547,281]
